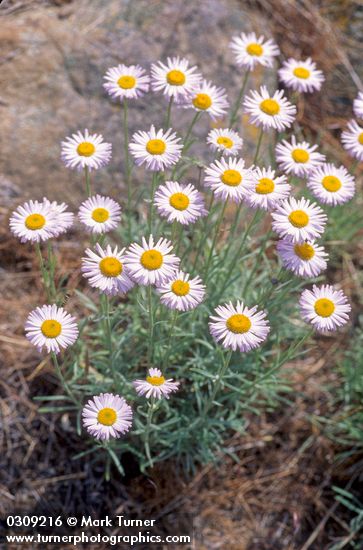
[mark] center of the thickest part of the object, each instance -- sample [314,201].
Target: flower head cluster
[105,270]
[181,203]
[208,98]
[157,149]
[229,179]
[36,221]
[298,158]
[269,111]
[225,141]
[324,307]
[181,292]
[269,189]
[126,82]
[100,214]
[301,76]
[107,415]
[251,50]
[151,262]
[51,327]
[155,385]
[174,78]
[239,327]
[85,151]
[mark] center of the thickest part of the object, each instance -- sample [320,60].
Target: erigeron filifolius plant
[189,319]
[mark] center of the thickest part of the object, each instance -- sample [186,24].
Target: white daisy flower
[126,81]
[158,149]
[207,98]
[229,179]
[34,221]
[100,214]
[225,141]
[352,140]
[269,189]
[301,76]
[269,111]
[106,271]
[51,327]
[155,385]
[305,259]
[324,307]
[174,78]
[180,292]
[358,105]
[298,158]
[298,220]
[81,150]
[181,203]
[251,50]
[331,185]
[239,327]
[151,263]
[107,415]
[63,220]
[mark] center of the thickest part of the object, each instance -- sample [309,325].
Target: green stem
[151,325]
[168,346]
[168,113]
[238,253]
[258,146]
[154,183]
[221,372]
[51,266]
[127,164]
[147,431]
[190,129]
[108,332]
[218,226]
[236,107]
[202,233]
[88,181]
[61,378]
[43,270]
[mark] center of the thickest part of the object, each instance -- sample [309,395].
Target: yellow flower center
[324,307]
[51,328]
[231,178]
[301,72]
[265,186]
[305,251]
[270,107]
[110,267]
[155,380]
[202,102]
[175,78]
[360,138]
[126,82]
[179,201]
[300,155]
[107,416]
[255,49]
[156,146]
[180,288]
[35,221]
[151,259]
[100,215]
[238,323]
[86,149]
[331,183]
[299,218]
[225,141]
